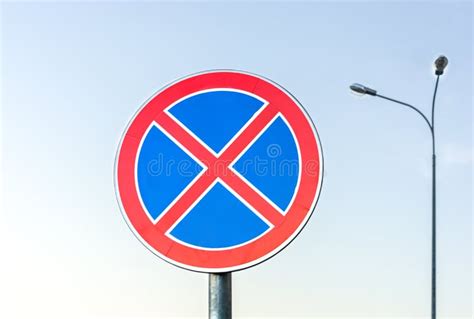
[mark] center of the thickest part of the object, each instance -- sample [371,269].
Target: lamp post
[440,64]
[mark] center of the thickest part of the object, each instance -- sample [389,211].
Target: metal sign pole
[220,296]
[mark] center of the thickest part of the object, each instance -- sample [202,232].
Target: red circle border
[256,251]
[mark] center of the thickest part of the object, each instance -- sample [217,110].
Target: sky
[73,74]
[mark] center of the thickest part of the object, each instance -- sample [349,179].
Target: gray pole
[433,206]
[220,296]
[433,244]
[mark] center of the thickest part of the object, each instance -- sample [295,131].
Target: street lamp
[440,64]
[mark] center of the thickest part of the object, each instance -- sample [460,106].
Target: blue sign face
[220,218]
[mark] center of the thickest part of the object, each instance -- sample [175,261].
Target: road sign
[219,171]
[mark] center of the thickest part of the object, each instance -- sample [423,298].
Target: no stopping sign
[219,171]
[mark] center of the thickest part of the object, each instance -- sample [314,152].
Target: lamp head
[362,90]
[440,64]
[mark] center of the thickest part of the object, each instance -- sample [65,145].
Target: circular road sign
[218,171]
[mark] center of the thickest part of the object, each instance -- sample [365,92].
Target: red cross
[218,167]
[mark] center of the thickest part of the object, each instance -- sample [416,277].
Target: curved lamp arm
[410,106]
[430,124]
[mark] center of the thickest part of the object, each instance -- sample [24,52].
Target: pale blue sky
[73,74]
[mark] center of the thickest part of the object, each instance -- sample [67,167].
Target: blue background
[72,75]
